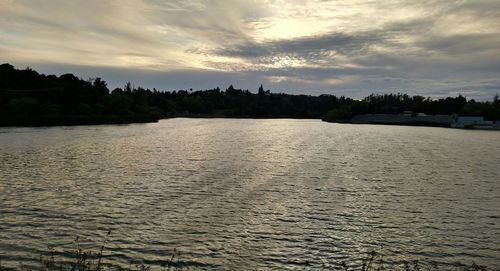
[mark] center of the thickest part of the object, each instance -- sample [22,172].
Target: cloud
[311,46]
[332,42]
[463,44]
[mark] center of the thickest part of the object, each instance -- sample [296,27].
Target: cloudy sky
[343,47]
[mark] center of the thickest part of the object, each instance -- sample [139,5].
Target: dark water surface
[235,194]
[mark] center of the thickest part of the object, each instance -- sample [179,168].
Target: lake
[241,194]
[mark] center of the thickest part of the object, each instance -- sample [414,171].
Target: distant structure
[474,122]
[422,119]
[408,113]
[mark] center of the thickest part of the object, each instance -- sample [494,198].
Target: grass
[94,261]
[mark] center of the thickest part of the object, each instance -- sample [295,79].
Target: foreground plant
[94,261]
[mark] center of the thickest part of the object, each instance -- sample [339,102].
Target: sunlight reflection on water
[232,193]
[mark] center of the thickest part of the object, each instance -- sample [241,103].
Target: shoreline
[415,125]
[47,121]
[444,121]
[73,120]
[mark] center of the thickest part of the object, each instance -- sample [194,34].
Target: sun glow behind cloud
[347,47]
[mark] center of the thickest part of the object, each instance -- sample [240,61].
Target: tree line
[30,98]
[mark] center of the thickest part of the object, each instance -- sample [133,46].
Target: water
[235,194]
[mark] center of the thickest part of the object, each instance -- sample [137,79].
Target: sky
[354,48]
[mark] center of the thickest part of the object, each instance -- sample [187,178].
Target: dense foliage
[30,98]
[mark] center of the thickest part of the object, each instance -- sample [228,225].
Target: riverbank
[72,120]
[400,119]
[445,121]
[28,98]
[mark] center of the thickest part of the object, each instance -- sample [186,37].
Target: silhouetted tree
[30,98]
[261,91]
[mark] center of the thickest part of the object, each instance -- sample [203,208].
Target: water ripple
[248,194]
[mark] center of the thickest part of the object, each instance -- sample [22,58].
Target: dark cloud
[305,47]
[462,44]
